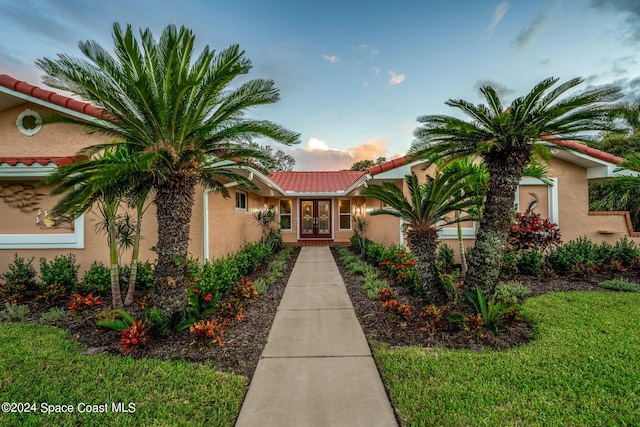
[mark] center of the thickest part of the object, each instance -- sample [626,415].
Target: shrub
[261,285]
[432,316]
[622,285]
[511,293]
[54,315]
[13,312]
[509,264]
[20,279]
[574,258]
[627,251]
[144,276]
[445,257]
[62,272]
[373,287]
[530,262]
[245,289]
[96,279]
[530,231]
[396,310]
[374,252]
[211,330]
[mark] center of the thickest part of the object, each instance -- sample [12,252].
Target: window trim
[246,201]
[341,214]
[290,214]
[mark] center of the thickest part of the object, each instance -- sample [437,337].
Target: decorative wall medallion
[29,122]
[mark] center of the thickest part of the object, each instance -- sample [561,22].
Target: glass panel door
[315,219]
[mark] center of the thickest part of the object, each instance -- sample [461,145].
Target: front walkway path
[316,369]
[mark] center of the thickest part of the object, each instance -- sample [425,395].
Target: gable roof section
[316,182]
[47,98]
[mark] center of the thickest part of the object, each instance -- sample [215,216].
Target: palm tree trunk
[463,256]
[114,267]
[174,202]
[423,243]
[493,232]
[134,259]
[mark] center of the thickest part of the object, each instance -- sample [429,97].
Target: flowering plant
[131,336]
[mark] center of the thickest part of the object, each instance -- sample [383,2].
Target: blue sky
[355,75]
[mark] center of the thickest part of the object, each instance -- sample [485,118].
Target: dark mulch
[244,339]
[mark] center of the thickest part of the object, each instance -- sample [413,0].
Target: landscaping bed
[380,327]
[244,339]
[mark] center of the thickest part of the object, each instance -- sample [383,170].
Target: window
[241,201]
[285,215]
[345,214]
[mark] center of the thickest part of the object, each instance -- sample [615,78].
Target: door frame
[315,235]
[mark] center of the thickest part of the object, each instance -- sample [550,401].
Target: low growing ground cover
[41,365]
[579,370]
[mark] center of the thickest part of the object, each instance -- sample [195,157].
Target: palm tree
[507,139]
[102,181]
[424,213]
[181,114]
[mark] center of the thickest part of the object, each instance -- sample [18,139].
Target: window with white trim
[344,208]
[241,201]
[285,215]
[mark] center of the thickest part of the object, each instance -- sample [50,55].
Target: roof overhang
[597,169]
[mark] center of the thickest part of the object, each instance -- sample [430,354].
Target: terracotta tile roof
[51,97]
[316,182]
[391,164]
[44,161]
[584,149]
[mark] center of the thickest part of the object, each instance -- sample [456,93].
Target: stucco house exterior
[314,207]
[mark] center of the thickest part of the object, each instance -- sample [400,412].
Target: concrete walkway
[316,369]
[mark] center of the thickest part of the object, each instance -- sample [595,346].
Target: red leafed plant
[230,308]
[432,315]
[246,289]
[132,336]
[531,231]
[395,309]
[79,303]
[386,294]
[209,330]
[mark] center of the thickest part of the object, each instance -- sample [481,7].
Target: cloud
[546,62]
[317,155]
[500,89]
[527,35]
[395,79]
[631,8]
[333,59]
[36,19]
[498,14]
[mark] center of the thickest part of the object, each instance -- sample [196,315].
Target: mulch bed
[245,339]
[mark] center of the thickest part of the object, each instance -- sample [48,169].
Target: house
[313,207]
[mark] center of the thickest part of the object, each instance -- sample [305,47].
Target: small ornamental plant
[475,324]
[432,316]
[79,303]
[230,308]
[245,289]
[386,294]
[209,331]
[132,337]
[395,310]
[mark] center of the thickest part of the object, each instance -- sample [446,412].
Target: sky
[353,75]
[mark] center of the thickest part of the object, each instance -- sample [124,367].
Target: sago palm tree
[506,139]
[182,114]
[424,212]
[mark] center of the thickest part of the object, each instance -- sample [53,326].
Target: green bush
[530,262]
[445,255]
[622,285]
[511,293]
[144,277]
[19,280]
[372,287]
[374,252]
[96,279]
[509,264]
[576,258]
[62,272]
[626,251]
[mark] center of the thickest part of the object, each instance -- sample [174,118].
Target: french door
[315,219]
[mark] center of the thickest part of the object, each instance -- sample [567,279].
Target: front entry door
[315,219]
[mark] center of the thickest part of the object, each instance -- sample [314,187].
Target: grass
[622,285]
[40,364]
[581,369]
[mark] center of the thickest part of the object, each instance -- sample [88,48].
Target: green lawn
[582,369]
[38,364]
